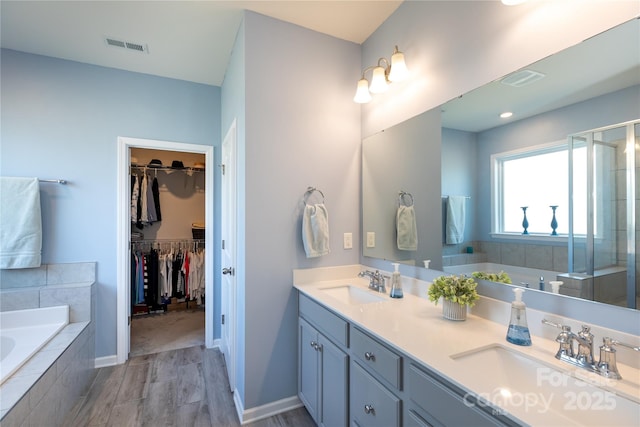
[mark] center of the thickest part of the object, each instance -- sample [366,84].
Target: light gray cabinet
[348,376]
[434,402]
[323,367]
[371,403]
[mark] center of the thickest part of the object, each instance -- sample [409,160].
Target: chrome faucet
[376,280]
[583,358]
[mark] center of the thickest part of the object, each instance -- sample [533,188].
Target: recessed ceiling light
[506,115]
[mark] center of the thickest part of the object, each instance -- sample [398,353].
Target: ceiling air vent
[522,78]
[128,45]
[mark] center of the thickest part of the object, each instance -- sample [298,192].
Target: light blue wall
[302,129]
[61,119]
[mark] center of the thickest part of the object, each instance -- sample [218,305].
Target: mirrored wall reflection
[405,158]
[603,260]
[590,85]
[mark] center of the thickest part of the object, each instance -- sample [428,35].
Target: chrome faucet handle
[564,338]
[616,342]
[607,366]
[555,325]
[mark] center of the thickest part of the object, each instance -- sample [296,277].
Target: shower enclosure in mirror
[602,263]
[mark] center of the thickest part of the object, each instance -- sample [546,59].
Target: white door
[229,237]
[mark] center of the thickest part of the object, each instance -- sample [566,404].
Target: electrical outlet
[348,240]
[371,239]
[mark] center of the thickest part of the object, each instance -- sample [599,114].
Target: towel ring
[310,191]
[401,198]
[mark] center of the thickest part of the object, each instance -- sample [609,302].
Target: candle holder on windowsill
[525,222]
[554,222]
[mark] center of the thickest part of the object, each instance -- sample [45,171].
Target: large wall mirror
[585,99]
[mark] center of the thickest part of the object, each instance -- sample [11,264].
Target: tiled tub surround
[45,388]
[415,327]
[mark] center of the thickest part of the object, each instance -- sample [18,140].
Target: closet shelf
[166,168]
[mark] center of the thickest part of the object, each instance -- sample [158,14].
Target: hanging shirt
[135,184]
[144,211]
[156,198]
[151,206]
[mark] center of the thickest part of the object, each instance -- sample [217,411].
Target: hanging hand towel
[315,230]
[20,223]
[455,219]
[407,231]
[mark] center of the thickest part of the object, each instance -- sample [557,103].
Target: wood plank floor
[169,389]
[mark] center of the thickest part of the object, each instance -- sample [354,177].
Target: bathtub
[521,276]
[24,332]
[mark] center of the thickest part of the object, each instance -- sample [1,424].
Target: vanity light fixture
[382,74]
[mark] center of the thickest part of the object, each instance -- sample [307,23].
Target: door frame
[229,299]
[124,232]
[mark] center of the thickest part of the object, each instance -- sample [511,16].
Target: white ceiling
[187,40]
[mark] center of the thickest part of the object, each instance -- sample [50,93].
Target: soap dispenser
[396,282]
[518,332]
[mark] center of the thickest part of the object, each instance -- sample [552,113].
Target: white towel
[455,219]
[315,230]
[20,223]
[407,231]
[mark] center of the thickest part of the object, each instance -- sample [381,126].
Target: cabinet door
[372,405]
[308,367]
[333,385]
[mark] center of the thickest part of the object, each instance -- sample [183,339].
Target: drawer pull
[369,356]
[368,409]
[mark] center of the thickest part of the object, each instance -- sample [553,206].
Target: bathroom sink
[353,295]
[525,385]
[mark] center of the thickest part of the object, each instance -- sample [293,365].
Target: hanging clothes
[145,200]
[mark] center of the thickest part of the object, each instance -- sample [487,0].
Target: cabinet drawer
[441,403]
[371,404]
[328,323]
[377,357]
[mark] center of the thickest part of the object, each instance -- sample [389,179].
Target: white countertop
[415,326]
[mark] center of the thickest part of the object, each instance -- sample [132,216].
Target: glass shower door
[603,238]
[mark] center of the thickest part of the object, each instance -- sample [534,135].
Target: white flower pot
[453,310]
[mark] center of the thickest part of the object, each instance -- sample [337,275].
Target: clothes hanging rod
[167,240]
[166,168]
[466,197]
[56,181]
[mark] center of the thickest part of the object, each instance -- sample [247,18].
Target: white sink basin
[521,384]
[353,295]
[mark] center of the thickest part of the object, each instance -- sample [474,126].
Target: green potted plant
[457,292]
[501,277]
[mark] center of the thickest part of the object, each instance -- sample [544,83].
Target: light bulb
[362,93]
[399,70]
[378,81]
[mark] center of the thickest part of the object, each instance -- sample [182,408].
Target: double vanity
[365,359]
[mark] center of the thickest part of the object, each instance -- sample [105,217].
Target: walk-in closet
[168,248]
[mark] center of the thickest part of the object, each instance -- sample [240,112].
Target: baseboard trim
[216,343]
[101,362]
[264,411]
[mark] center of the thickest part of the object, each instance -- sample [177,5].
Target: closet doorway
[183,172]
